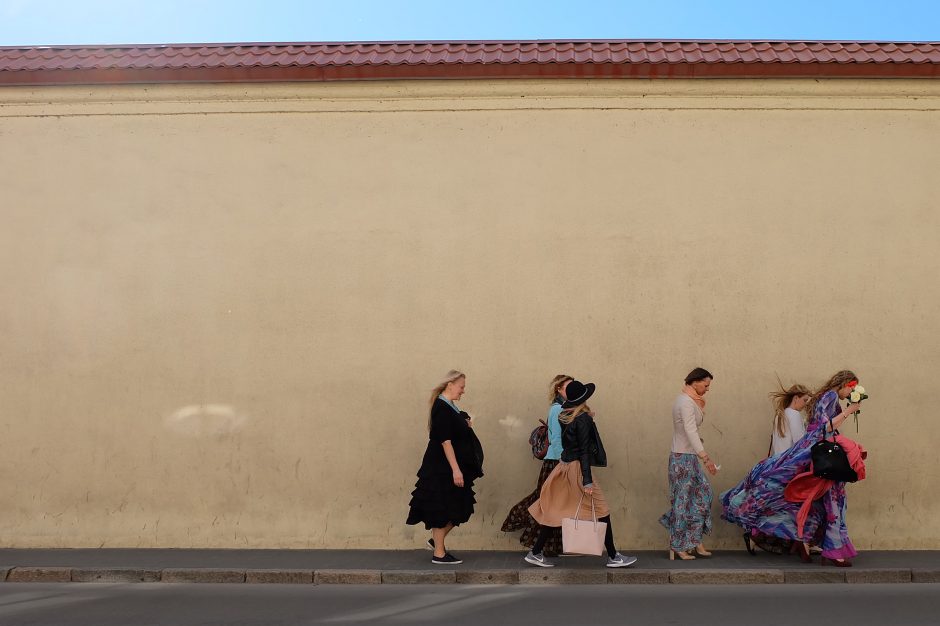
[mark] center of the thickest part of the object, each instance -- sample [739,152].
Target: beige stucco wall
[222,308]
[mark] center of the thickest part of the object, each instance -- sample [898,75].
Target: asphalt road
[457,605]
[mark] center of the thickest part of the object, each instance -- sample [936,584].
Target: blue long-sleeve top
[554,431]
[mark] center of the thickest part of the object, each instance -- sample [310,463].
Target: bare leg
[439,534]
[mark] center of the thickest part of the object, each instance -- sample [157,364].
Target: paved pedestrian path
[414,567]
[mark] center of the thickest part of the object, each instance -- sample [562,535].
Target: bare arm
[841,417]
[452,460]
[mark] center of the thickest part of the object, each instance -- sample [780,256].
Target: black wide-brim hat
[577,393]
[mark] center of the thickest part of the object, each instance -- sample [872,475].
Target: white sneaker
[537,559]
[620,560]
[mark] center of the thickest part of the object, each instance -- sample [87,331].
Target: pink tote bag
[583,536]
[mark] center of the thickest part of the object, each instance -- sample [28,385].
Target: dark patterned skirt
[520,519]
[769,543]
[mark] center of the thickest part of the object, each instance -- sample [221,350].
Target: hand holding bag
[830,460]
[582,536]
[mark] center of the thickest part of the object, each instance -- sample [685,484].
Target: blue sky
[38,22]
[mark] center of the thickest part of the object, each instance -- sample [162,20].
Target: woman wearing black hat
[443,496]
[563,493]
[519,518]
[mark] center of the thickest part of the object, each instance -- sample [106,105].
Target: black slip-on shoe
[447,559]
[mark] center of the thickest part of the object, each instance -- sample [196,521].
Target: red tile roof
[465,59]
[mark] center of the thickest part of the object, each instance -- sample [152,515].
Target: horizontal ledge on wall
[414,96]
[675,107]
[522,88]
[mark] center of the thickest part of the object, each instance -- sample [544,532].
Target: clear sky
[48,22]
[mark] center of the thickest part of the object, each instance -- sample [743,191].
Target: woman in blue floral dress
[757,504]
[690,513]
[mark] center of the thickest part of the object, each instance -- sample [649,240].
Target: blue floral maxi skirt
[757,503]
[691,514]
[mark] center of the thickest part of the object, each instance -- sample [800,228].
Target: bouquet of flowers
[857,395]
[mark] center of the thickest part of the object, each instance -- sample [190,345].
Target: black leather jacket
[580,443]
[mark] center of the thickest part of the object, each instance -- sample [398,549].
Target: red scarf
[805,487]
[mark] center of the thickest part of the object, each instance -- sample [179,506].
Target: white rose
[859,389]
[855,396]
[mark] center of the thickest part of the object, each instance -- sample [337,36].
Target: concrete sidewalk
[414,567]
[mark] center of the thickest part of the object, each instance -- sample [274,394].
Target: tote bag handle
[583,540]
[577,512]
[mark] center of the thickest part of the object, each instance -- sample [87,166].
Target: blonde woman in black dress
[443,497]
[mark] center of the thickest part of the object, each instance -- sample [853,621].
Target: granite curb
[282,576]
[451,576]
[115,575]
[925,575]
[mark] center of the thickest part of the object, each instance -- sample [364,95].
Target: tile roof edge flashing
[470,71]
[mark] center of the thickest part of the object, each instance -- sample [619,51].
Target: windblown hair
[568,415]
[833,384]
[554,388]
[451,377]
[699,373]
[782,400]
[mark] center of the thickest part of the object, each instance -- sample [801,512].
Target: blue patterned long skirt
[691,514]
[757,503]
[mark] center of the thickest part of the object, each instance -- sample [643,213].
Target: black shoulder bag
[830,461]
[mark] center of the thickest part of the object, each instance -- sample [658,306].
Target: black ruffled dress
[436,501]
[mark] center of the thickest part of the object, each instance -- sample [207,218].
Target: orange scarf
[699,400]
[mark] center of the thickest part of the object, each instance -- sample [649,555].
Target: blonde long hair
[451,377]
[568,415]
[555,388]
[835,383]
[782,400]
